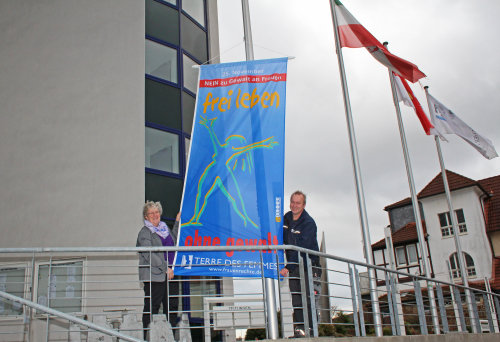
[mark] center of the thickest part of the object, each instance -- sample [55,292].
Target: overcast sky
[454,42]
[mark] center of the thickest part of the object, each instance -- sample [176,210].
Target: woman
[160,284]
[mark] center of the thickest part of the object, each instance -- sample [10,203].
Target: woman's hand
[170,273]
[178,217]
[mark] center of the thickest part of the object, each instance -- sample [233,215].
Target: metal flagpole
[367,248]
[454,223]
[416,206]
[270,298]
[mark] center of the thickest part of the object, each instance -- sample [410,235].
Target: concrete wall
[71,122]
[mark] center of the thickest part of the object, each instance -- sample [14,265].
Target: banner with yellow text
[233,193]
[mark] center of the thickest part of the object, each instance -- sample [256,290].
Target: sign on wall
[233,191]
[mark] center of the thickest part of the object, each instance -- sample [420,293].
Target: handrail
[68,317]
[225,248]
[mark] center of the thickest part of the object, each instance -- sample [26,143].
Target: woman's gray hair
[150,204]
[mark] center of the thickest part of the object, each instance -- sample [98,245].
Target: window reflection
[161,61]
[162,150]
[63,291]
[190,73]
[187,143]
[12,282]
[196,9]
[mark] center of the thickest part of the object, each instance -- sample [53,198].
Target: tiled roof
[455,182]
[495,274]
[435,187]
[492,205]
[401,203]
[402,236]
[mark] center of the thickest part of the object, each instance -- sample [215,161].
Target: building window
[188,103]
[195,9]
[190,74]
[412,254]
[162,22]
[446,226]
[12,281]
[401,256]
[161,61]
[469,266]
[64,290]
[162,150]
[187,144]
[407,255]
[200,287]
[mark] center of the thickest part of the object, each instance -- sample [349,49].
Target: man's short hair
[298,192]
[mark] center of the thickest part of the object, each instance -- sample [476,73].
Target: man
[299,229]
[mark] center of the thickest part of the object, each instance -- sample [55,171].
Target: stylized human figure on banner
[220,172]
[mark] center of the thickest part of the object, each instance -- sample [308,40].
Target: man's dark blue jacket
[300,233]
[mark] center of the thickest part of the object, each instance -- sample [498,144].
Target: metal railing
[82,294]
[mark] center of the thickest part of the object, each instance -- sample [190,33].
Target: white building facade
[476,208]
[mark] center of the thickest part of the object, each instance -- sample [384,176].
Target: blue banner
[233,193]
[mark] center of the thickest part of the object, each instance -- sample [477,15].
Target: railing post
[442,309]
[458,300]
[420,307]
[49,283]
[390,303]
[353,298]
[360,303]
[433,309]
[206,320]
[305,309]
[269,303]
[491,304]
[280,299]
[396,298]
[487,308]
[312,296]
[497,307]
[32,292]
[474,318]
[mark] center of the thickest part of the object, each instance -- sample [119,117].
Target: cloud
[452,41]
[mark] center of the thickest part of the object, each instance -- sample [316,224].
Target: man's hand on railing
[170,273]
[284,272]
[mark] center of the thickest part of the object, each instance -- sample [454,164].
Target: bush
[255,334]
[326,330]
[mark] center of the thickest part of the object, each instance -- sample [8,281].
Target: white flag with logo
[447,122]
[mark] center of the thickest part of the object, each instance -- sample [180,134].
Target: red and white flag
[405,95]
[353,35]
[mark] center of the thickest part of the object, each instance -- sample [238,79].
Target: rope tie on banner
[274,51]
[222,53]
[237,45]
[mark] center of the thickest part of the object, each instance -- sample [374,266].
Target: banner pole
[415,205]
[270,297]
[454,223]
[247,30]
[367,249]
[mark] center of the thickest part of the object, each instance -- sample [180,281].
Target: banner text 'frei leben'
[233,190]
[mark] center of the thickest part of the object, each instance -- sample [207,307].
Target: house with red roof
[476,205]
